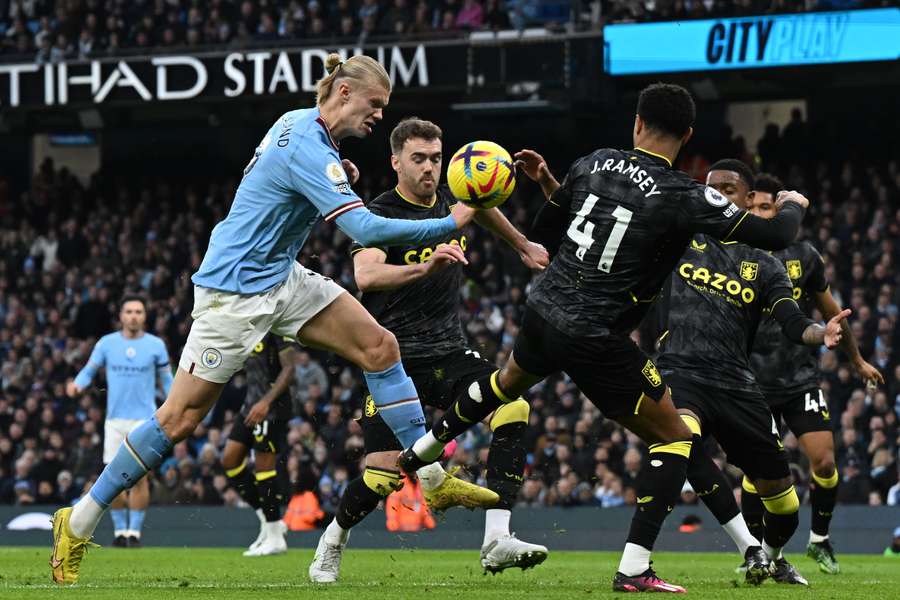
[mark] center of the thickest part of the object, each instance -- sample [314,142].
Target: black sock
[780,528]
[710,484]
[822,500]
[244,484]
[356,503]
[466,411]
[658,489]
[506,463]
[270,497]
[753,509]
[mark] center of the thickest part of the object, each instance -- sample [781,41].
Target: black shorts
[438,382]
[610,370]
[267,436]
[803,412]
[740,421]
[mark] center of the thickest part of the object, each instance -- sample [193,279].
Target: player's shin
[394,393]
[143,450]
[269,495]
[752,508]
[360,498]
[658,490]
[781,520]
[823,497]
[505,465]
[241,479]
[474,405]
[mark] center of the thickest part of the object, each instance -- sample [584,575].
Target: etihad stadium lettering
[183,77]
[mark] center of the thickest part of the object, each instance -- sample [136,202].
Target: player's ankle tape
[382,481]
[782,503]
[826,482]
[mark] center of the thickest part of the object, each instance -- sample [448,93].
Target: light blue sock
[143,449]
[136,521]
[398,402]
[120,520]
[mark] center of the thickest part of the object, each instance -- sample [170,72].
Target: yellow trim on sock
[381,481]
[263,475]
[679,448]
[748,486]
[783,503]
[828,482]
[496,387]
[514,412]
[692,423]
[235,471]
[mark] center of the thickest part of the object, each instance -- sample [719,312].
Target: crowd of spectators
[61,30]
[68,252]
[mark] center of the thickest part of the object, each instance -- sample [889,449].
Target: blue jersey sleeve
[163,370]
[97,360]
[316,172]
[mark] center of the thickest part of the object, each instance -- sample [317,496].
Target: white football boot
[273,541]
[326,564]
[508,551]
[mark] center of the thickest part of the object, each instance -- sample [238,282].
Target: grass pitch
[222,574]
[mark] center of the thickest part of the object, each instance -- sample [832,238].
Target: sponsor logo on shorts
[211,358]
[794,269]
[371,409]
[749,270]
[652,374]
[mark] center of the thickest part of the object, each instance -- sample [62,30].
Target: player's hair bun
[332,62]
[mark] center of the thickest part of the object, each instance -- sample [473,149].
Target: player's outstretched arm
[533,164]
[369,229]
[829,308]
[800,329]
[373,274]
[770,234]
[533,255]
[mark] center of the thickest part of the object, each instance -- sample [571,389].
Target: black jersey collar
[416,204]
[654,155]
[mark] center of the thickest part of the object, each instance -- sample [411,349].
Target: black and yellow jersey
[782,367]
[630,217]
[262,369]
[718,294]
[423,315]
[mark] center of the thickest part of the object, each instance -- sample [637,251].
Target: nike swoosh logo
[55,562]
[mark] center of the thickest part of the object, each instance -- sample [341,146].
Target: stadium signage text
[753,42]
[183,77]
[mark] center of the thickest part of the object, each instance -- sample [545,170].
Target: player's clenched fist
[791,196]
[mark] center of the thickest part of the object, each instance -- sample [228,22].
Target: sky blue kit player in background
[137,364]
[250,284]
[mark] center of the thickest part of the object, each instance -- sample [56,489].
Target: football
[481,174]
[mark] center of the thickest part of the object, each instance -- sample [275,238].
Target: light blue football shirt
[132,366]
[294,177]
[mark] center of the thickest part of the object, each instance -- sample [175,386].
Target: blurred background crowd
[61,30]
[68,251]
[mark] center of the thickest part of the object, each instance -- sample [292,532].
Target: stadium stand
[63,268]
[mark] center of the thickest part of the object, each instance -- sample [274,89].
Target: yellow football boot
[457,492]
[68,550]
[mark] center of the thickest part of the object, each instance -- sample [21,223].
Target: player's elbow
[364,280]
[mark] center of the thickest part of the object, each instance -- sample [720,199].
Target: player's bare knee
[823,466]
[382,460]
[382,354]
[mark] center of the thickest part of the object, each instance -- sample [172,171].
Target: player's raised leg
[345,328]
